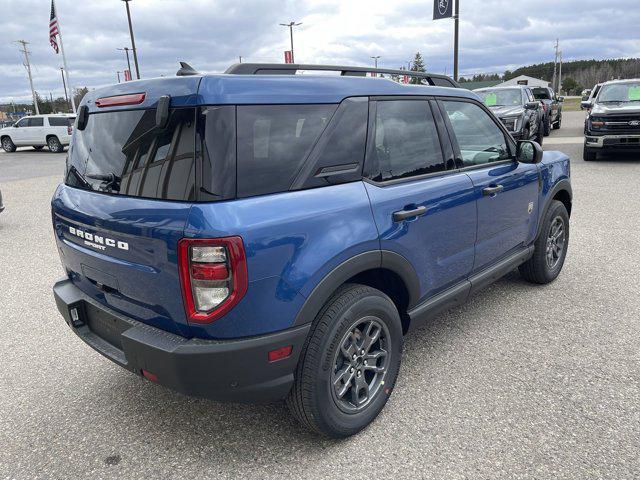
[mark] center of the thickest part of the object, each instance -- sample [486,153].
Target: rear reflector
[280,353]
[149,376]
[120,100]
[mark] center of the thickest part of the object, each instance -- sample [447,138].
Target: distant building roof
[525,80]
[475,85]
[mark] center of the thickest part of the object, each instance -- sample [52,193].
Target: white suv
[54,131]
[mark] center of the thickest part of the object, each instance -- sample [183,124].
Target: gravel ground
[521,382]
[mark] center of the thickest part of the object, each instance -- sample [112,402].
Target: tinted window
[36,122]
[60,121]
[541,93]
[145,161]
[338,156]
[442,82]
[22,122]
[273,141]
[405,141]
[217,130]
[479,138]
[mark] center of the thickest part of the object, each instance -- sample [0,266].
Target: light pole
[126,50]
[375,60]
[133,41]
[291,25]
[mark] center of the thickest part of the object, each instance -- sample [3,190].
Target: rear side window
[125,153]
[406,141]
[273,142]
[36,122]
[60,121]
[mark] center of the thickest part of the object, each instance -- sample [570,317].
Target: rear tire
[54,145]
[547,126]
[8,145]
[550,248]
[558,123]
[349,364]
[589,154]
[540,135]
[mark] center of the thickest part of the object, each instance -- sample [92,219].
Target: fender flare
[353,266]
[563,184]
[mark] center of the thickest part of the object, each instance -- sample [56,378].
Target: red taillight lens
[120,100]
[280,353]
[213,274]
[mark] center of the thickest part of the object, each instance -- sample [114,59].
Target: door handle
[405,214]
[492,190]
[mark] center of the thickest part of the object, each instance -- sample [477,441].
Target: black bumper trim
[223,370]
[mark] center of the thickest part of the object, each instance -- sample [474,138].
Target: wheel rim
[555,242]
[360,364]
[6,144]
[53,144]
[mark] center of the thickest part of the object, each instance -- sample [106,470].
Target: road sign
[442,9]
[288,57]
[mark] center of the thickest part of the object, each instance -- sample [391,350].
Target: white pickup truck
[54,131]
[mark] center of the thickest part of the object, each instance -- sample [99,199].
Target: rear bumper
[230,370]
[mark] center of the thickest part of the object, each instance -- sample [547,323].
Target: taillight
[69,130]
[213,274]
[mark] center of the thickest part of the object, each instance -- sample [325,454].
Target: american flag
[53,27]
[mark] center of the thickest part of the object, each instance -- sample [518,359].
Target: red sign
[127,75]
[288,57]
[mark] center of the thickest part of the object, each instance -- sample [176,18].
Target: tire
[549,255]
[540,135]
[335,335]
[8,145]
[558,123]
[38,147]
[547,126]
[54,145]
[589,154]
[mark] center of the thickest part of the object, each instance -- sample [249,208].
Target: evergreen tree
[417,66]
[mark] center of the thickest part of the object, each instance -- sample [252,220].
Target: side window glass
[22,123]
[36,122]
[479,138]
[406,142]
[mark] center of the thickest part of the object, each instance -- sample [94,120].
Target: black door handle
[492,190]
[404,214]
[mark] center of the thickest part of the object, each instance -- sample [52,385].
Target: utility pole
[555,66]
[126,50]
[560,73]
[456,36]
[28,67]
[291,25]
[133,41]
[64,84]
[240,58]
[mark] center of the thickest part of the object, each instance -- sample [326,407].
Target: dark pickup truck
[613,123]
[552,105]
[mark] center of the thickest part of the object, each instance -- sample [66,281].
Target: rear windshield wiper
[111,180]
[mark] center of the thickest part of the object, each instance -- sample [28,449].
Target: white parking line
[564,140]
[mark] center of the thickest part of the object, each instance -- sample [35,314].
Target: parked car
[585,94]
[517,109]
[586,104]
[252,237]
[53,131]
[552,105]
[613,123]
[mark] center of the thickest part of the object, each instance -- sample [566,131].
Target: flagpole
[64,61]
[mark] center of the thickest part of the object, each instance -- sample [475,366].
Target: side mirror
[528,152]
[83,118]
[586,105]
[531,105]
[15,125]
[561,99]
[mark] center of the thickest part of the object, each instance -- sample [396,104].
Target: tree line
[46,104]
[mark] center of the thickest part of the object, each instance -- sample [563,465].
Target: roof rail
[293,68]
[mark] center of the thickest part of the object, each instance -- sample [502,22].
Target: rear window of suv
[61,121]
[125,153]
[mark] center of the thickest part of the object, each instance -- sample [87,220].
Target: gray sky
[210,34]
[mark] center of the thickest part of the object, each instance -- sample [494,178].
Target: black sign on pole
[442,9]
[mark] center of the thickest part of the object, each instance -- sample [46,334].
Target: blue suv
[259,235]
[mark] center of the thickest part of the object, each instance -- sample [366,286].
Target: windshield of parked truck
[501,97]
[620,92]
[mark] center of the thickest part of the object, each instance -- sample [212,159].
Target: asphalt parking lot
[521,382]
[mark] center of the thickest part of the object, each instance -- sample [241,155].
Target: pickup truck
[552,105]
[613,123]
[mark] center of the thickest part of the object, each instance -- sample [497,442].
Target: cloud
[210,34]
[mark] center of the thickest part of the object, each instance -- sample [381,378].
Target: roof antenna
[186,70]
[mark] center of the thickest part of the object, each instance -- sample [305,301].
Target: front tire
[547,126]
[54,145]
[589,154]
[558,123]
[550,248]
[8,145]
[349,364]
[540,134]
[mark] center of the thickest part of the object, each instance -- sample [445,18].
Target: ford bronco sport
[258,235]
